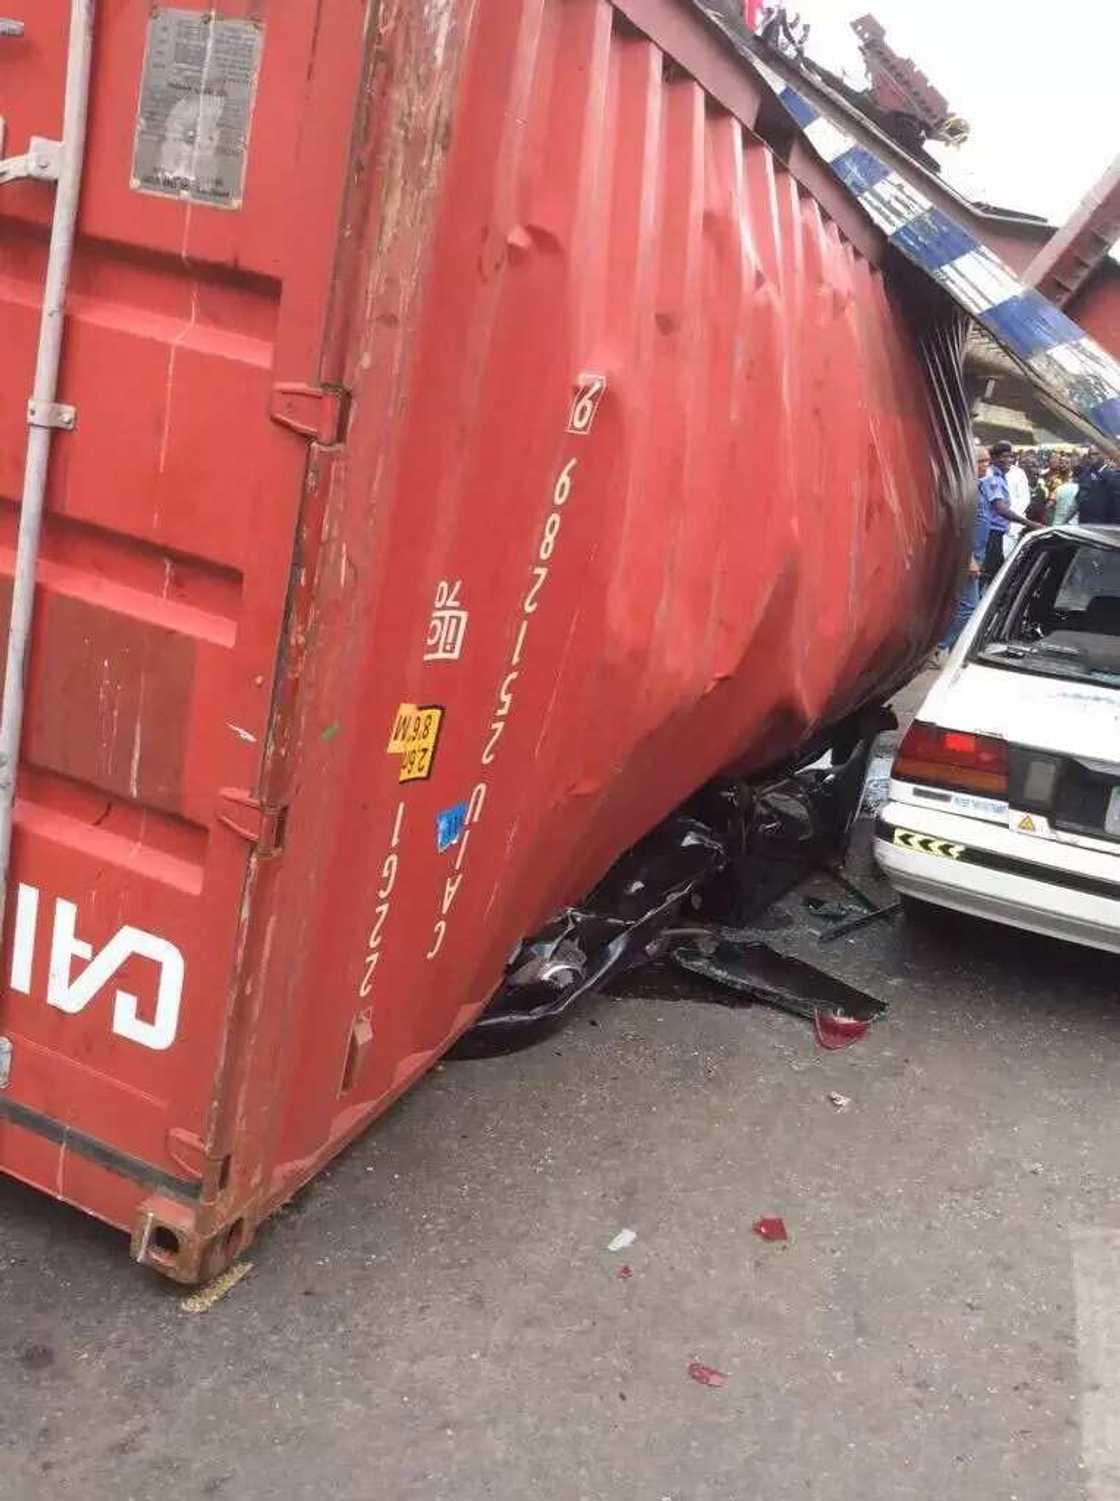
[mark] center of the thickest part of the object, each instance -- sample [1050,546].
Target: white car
[1005,793]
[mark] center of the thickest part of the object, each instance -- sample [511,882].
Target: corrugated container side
[752,534]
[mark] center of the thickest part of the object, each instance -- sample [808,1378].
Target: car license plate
[1112,817]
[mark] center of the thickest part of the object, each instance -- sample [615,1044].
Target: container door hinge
[52,414]
[41,162]
[316,412]
[250,819]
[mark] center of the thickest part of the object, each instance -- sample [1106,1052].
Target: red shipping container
[482,438]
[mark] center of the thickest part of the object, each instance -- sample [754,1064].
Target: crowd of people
[1017,493]
[1057,487]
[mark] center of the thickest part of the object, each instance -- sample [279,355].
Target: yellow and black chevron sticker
[925,844]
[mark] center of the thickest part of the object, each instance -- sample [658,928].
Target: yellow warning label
[403,722]
[925,844]
[1027,824]
[416,729]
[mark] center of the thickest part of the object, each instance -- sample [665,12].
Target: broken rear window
[1058,613]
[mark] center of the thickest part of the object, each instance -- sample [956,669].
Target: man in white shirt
[1019,488]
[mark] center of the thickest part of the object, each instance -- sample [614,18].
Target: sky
[1036,80]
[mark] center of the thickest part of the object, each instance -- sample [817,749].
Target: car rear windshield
[1058,613]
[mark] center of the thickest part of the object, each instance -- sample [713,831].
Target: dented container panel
[605,461]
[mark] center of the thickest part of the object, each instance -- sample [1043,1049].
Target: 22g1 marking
[581,419]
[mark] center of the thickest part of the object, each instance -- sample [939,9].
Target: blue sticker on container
[450,825]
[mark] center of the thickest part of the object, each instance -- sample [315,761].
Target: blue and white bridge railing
[1069,366]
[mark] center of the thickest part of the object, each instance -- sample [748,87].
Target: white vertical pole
[44,394]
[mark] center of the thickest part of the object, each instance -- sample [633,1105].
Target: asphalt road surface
[440,1317]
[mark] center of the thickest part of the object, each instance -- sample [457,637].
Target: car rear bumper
[989,872]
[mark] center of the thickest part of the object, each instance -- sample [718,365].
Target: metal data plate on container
[196,106]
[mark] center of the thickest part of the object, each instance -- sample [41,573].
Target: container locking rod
[44,398]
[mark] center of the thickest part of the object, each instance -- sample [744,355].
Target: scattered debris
[842,917]
[752,972]
[794,826]
[859,920]
[841,1101]
[771,1228]
[722,860]
[706,1375]
[615,930]
[831,912]
[717,864]
[625,1273]
[775,979]
[834,1032]
[206,1297]
[623,1240]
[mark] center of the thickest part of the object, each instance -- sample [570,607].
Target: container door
[215,169]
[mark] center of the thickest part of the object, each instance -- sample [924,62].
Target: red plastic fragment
[705,1374]
[625,1273]
[833,1031]
[771,1228]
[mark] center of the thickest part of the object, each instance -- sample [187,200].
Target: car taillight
[952,758]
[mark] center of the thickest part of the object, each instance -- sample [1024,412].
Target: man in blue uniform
[970,598]
[995,498]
